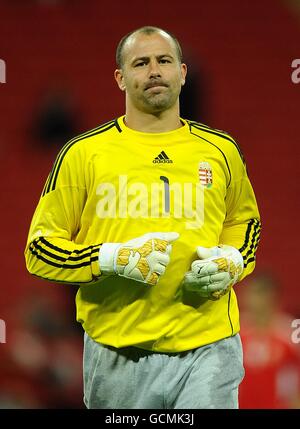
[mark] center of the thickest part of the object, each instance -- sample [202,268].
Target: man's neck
[152,123]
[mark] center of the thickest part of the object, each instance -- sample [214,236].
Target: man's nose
[154,69]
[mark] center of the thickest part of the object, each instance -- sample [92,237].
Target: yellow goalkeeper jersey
[113,184]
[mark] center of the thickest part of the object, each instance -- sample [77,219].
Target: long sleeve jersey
[112,184]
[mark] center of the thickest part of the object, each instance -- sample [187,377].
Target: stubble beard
[156,103]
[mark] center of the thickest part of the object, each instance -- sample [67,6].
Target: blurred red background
[243,52]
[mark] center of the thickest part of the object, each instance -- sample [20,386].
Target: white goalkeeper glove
[143,259]
[217,270]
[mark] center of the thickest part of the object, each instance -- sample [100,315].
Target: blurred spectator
[55,118]
[41,366]
[271,360]
[194,102]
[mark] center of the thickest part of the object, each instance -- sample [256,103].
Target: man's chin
[158,104]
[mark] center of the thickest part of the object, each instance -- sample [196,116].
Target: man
[161,328]
[272,359]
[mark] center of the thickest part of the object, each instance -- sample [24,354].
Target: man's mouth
[155,85]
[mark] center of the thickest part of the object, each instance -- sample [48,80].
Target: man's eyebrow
[147,58]
[164,56]
[140,59]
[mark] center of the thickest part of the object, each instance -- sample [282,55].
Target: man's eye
[164,61]
[140,64]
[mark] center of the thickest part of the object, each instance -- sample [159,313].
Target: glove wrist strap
[107,257]
[239,262]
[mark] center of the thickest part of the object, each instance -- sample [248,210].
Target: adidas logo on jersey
[162,158]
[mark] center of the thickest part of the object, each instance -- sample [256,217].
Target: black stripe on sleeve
[226,162]
[255,226]
[65,147]
[63,258]
[251,257]
[36,247]
[42,253]
[51,246]
[248,261]
[250,246]
[63,155]
[54,264]
[254,242]
[59,249]
[247,235]
[55,170]
[46,185]
[219,133]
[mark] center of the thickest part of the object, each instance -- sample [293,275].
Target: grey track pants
[131,378]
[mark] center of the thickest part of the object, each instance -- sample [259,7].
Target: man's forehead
[140,44]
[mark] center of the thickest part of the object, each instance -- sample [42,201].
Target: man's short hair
[148,30]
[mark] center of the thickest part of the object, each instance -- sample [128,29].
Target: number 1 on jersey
[167,193]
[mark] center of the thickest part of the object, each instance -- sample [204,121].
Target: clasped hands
[145,259]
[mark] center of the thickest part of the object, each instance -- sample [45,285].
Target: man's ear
[120,79]
[183,73]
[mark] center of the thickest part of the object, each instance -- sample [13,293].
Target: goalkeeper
[154,219]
